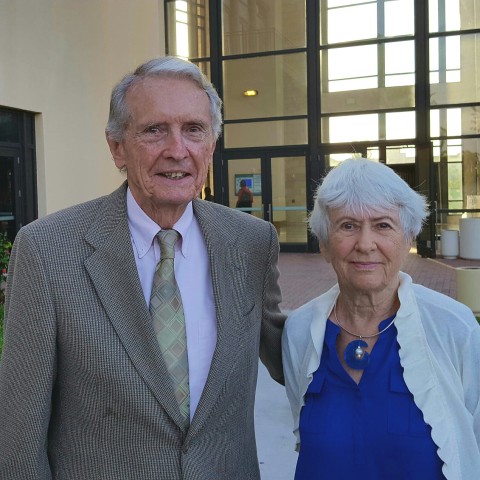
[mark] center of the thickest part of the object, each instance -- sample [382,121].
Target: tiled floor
[307,275]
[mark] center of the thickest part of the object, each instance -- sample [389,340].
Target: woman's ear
[324,250]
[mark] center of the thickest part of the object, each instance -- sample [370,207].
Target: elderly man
[134,321]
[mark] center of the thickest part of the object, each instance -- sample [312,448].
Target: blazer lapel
[223,269]
[113,271]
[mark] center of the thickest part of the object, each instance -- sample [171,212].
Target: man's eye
[195,132]
[195,129]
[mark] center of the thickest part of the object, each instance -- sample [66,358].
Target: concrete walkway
[303,277]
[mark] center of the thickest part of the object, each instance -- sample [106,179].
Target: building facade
[308,83]
[59,60]
[305,84]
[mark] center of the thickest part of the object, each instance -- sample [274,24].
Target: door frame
[265,156]
[24,168]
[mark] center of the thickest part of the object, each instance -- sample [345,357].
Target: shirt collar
[143,229]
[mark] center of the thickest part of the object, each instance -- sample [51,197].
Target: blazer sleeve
[28,365]
[272,319]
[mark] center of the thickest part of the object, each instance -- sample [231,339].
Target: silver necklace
[355,355]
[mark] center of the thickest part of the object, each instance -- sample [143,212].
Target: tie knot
[167,240]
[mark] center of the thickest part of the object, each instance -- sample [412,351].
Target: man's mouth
[174,175]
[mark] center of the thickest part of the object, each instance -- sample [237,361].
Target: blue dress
[372,430]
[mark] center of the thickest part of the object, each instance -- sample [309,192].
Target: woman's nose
[365,240]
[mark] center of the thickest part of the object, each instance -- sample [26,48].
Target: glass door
[272,187]
[245,186]
[288,203]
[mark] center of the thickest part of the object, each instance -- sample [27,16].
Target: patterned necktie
[168,320]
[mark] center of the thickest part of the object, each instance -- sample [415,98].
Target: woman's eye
[384,226]
[347,226]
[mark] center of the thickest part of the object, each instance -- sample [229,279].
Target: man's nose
[175,145]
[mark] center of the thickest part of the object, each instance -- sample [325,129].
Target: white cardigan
[439,342]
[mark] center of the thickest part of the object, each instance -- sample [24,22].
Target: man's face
[167,145]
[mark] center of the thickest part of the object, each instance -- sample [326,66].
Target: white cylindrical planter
[468,287]
[449,243]
[470,238]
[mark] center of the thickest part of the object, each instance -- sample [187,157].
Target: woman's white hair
[362,187]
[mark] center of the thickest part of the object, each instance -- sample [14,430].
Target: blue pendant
[355,355]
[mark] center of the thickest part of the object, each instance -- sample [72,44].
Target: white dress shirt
[192,273]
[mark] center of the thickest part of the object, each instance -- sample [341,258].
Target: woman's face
[366,253]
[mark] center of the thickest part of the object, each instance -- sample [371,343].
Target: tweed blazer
[84,391]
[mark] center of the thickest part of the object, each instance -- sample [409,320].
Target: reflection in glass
[454,69]
[399,63]
[458,172]
[349,21]
[260,134]
[252,26]
[251,170]
[454,121]
[369,99]
[281,82]
[350,128]
[450,15]
[445,59]
[350,68]
[404,154]
[399,125]
[9,127]
[357,68]
[188,28]
[289,199]
[343,25]
[399,18]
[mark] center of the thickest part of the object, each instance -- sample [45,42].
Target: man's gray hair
[362,187]
[168,67]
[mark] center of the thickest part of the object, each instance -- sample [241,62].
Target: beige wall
[60,59]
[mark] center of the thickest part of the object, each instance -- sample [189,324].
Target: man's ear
[214,144]
[117,150]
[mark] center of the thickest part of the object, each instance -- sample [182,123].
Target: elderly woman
[382,374]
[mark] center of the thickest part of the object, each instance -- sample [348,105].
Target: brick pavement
[306,275]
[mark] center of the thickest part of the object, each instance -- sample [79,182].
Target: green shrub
[1,328]
[5,249]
